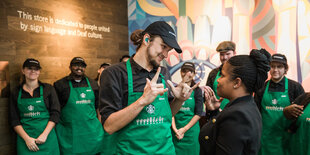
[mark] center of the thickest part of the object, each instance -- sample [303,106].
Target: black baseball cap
[279,58]
[166,32]
[226,46]
[30,62]
[78,60]
[188,65]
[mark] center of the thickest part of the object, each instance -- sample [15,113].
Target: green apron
[109,145]
[149,132]
[34,118]
[189,145]
[225,101]
[79,131]
[300,141]
[274,137]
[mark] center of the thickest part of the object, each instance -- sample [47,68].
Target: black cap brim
[77,63]
[33,65]
[279,61]
[172,43]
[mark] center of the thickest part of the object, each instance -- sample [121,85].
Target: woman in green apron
[79,130]
[277,94]
[185,123]
[34,111]
[299,130]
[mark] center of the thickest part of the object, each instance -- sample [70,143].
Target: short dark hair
[251,69]
[104,65]
[124,56]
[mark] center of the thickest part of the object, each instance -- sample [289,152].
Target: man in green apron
[134,96]
[278,93]
[79,130]
[226,49]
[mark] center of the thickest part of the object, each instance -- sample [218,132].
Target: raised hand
[182,91]
[211,101]
[31,144]
[152,89]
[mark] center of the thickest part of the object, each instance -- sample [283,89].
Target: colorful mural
[280,26]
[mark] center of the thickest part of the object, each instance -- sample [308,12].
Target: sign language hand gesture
[152,89]
[211,101]
[183,91]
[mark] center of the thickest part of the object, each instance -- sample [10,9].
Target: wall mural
[279,26]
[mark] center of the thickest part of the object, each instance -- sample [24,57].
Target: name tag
[38,101]
[161,99]
[88,90]
[283,95]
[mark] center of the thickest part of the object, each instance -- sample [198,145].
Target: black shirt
[294,90]
[63,89]
[198,102]
[50,100]
[114,86]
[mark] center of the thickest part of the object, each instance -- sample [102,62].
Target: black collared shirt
[63,89]
[50,100]
[294,90]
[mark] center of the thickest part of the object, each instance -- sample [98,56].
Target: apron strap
[129,74]
[286,84]
[41,91]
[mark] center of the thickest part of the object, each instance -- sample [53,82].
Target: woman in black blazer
[237,129]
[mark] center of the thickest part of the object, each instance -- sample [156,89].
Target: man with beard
[79,130]
[135,103]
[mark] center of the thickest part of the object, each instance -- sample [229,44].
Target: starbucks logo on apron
[83,95]
[150,109]
[274,101]
[30,108]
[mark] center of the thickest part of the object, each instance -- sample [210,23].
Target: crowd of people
[133,107]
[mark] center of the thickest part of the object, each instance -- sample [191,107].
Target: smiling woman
[34,111]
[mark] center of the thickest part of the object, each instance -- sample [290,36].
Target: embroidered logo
[274,101]
[83,95]
[161,99]
[30,108]
[150,109]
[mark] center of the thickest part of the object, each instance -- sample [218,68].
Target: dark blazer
[236,130]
